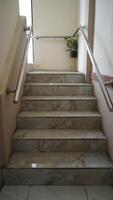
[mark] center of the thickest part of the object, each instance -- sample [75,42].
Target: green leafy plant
[72,43]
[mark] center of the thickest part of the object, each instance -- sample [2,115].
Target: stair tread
[59,134]
[28,98]
[59,114]
[60,160]
[54,72]
[56,84]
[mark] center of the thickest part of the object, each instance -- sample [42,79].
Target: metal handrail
[57,37]
[101,82]
[103,85]
[17,91]
[23,66]
[51,37]
[75,33]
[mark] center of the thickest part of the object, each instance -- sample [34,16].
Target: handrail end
[109,83]
[111,109]
[15,101]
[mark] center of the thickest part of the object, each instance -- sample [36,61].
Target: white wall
[84,4]
[54,17]
[103,52]
[103,41]
[9,13]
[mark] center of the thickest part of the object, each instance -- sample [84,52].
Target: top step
[56,77]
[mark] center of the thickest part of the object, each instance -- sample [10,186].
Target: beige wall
[12,43]
[9,13]
[54,17]
[103,50]
[9,110]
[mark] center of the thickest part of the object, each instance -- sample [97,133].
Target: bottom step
[59,169]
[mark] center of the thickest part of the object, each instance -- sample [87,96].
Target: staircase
[59,138]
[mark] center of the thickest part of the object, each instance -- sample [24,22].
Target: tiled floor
[56,193]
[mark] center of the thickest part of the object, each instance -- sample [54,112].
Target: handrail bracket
[10,91]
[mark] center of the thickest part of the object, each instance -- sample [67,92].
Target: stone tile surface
[69,192]
[58,157]
[59,114]
[56,193]
[14,193]
[56,145]
[77,176]
[42,193]
[59,84]
[58,98]
[59,140]
[60,160]
[30,121]
[59,134]
[57,89]
[54,72]
[56,77]
[58,104]
[100,192]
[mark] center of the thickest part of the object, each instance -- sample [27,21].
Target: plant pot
[74,54]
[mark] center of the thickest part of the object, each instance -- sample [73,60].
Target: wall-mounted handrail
[105,92]
[23,66]
[56,37]
[17,91]
[51,37]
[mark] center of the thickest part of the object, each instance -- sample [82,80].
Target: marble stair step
[59,140]
[52,72]
[60,160]
[59,119]
[55,76]
[58,103]
[58,89]
[59,134]
[59,168]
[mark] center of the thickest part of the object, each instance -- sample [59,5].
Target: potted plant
[72,44]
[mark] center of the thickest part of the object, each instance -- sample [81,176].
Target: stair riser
[59,145]
[57,176]
[59,122]
[56,78]
[34,90]
[62,105]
